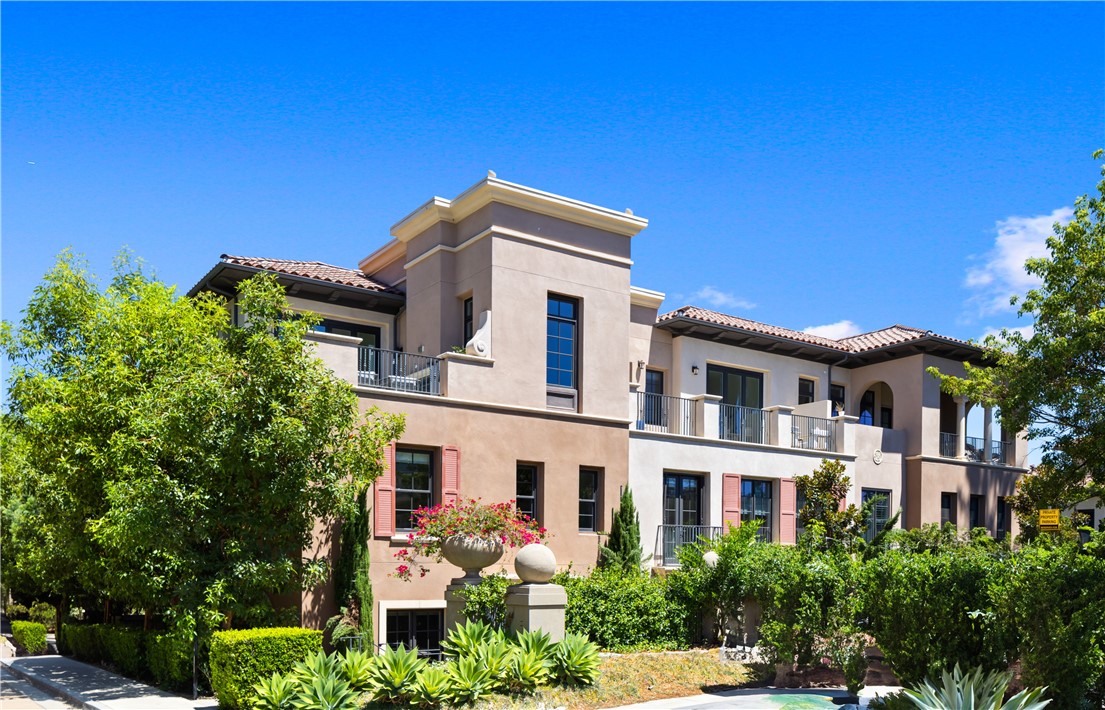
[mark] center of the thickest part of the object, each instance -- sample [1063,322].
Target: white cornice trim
[390,252]
[521,236]
[490,189]
[645,297]
[924,458]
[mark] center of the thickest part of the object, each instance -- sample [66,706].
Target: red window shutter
[384,496]
[730,500]
[788,498]
[450,474]
[844,503]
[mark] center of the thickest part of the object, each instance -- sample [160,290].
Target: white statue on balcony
[480,344]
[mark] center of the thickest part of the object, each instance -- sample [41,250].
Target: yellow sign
[1049,519]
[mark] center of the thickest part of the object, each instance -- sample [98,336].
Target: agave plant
[537,641]
[431,688]
[528,670]
[275,693]
[325,692]
[464,639]
[974,690]
[576,660]
[315,666]
[468,680]
[496,655]
[356,668]
[394,672]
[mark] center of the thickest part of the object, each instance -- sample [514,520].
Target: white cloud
[1002,274]
[721,299]
[1024,330]
[836,331]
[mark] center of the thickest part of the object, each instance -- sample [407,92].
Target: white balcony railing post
[780,416]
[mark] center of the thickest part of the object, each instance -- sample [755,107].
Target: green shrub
[170,659]
[1055,601]
[83,641]
[929,611]
[30,636]
[125,649]
[44,613]
[16,611]
[620,612]
[241,659]
[576,661]
[486,602]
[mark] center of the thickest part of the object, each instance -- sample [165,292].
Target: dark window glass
[526,489]
[880,512]
[886,418]
[369,335]
[947,508]
[739,387]
[468,325]
[682,500]
[867,408]
[1004,518]
[836,394]
[416,628]
[800,501]
[805,390]
[560,342]
[977,511]
[654,400]
[756,505]
[588,499]
[414,485]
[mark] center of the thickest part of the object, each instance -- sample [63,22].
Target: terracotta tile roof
[311,270]
[894,335]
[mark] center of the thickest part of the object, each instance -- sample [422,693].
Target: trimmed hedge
[240,659]
[82,641]
[623,612]
[29,636]
[125,649]
[170,659]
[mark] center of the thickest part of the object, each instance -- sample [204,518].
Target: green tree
[179,462]
[622,550]
[1051,382]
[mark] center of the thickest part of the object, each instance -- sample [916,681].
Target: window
[416,628]
[654,398]
[800,504]
[1004,517]
[525,497]
[588,499]
[469,331]
[947,509]
[369,334]
[414,485]
[978,512]
[880,511]
[806,390]
[560,358]
[886,418]
[836,394]
[756,505]
[739,387]
[867,408]
[682,513]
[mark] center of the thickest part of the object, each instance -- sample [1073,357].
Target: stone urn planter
[471,554]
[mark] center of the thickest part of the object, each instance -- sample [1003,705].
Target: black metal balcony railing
[947,445]
[813,433]
[670,538]
[664,413]
[974,448]
[403,372]
[1000,452]
[752,426]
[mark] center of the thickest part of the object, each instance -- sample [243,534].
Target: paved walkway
[93,688]
[16,694]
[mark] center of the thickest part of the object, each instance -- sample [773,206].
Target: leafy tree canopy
[169,458]
[1051,382]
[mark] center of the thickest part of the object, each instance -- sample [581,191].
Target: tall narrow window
[525,497]
[880,511]
[414,485]
[469,330]
[756,505]
[836,394]
[805,390]
[588,499]
[560,358]
[654,398]
[947,509]
[978,512]
[1004,518]
[867,408]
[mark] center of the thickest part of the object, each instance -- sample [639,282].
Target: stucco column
[961,427]
[779,416]
[987,433]
[707,409]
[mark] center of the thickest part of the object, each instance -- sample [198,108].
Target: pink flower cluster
[501,522]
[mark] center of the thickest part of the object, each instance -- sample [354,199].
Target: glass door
[682,513]
[756,505]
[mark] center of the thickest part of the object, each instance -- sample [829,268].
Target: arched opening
[876,406]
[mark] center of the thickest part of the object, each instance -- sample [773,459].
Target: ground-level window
[414,485]
[525,497]
[880,511]
[756,505]
[416,628]
[588,499]
[977,512]
[1005,517]
[947,509]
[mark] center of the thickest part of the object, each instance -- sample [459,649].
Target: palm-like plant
[974,690]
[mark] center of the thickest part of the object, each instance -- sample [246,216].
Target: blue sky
[800,164]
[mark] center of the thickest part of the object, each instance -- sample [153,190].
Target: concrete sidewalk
[94,688]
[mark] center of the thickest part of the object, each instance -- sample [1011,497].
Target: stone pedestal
[454,605]
[537,606]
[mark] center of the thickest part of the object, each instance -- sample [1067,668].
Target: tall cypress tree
[622,550]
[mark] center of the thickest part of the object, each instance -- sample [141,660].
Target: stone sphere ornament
[535,564]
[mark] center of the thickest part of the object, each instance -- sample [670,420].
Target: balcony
[947,445]
[669,538]
[813,433]
[974,449]
[751,426]
[397,371]
[666,414]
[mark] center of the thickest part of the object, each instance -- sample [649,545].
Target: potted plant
[468,533]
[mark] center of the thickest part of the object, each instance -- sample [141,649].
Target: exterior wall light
[694,369]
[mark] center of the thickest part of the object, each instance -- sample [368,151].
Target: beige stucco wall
[926,479]
[889,474]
